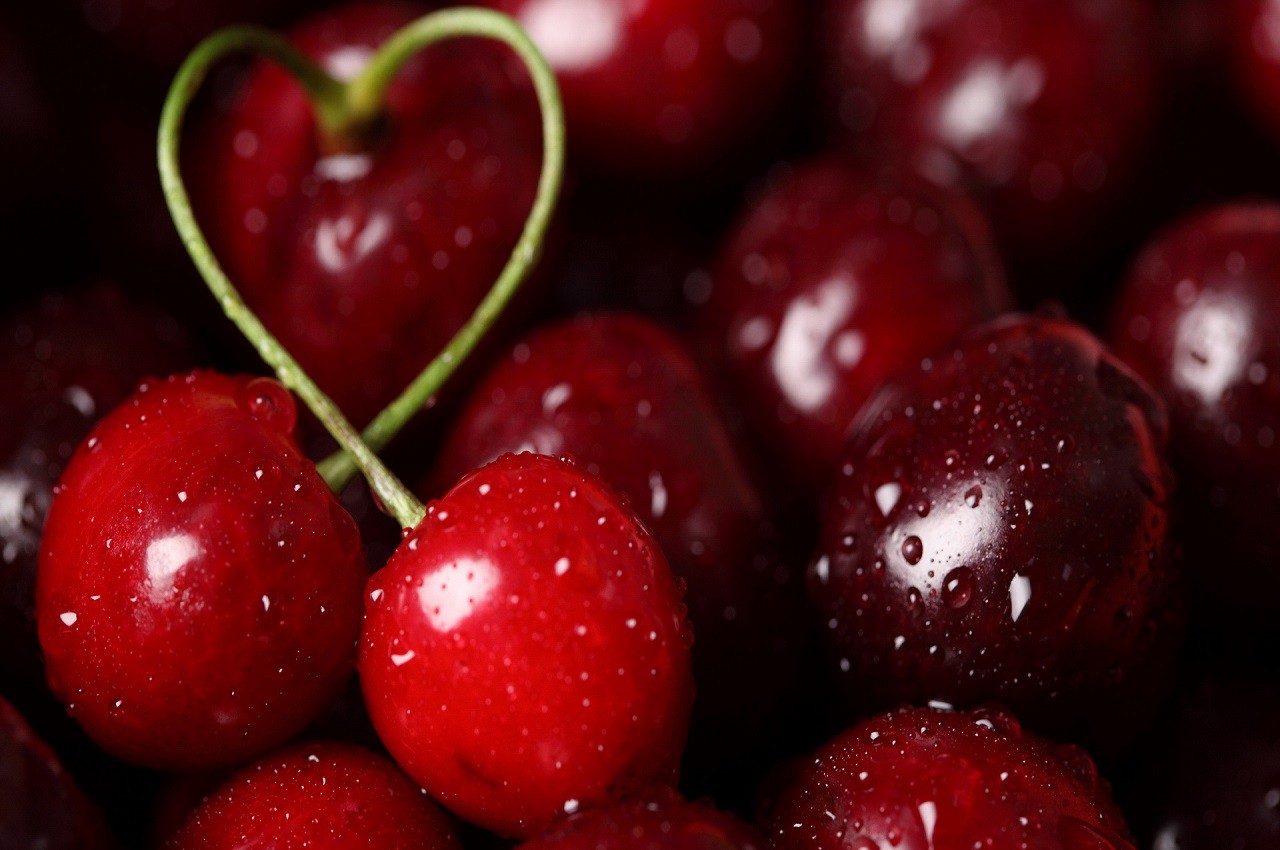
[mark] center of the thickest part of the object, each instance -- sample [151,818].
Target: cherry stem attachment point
[341,107]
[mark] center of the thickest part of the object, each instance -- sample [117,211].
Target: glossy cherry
[658,820]
[927,779]
[525,651]
[623,398]
[40,806]
[833,281]
[198,597]
[1041,106]
[1199,317]
[998,532]
[318,796]
[64,362]
[668,88]
[365,261]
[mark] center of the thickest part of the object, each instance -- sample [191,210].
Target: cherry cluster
[833,425]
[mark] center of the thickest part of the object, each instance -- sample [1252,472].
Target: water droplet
[268,401]
[997,720]
[958,587]
[886,496]
[1065,443]
[973,497]
[912,549]
[996,458]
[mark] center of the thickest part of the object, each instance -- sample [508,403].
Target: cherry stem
[364,96]
[342,109]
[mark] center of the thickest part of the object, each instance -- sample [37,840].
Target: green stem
[364,98]
[394,495]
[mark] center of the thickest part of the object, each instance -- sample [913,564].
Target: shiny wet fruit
[999,532]
[198,596]
[525,650]
[833,281]
[927,779]
[317,796]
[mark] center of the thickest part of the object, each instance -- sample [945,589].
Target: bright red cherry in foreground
[666,88]
[833,281]
[998,532]
[1199,317]
[40,806]
[924,779]
[364,261]
[198,598]
[658,820]
[64,362]
[623,398]
[318,796]
[1039,105]
[525,651]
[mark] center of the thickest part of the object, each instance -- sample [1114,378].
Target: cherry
[920,778]
[998,531]
[392,243]
[624,398]
[198,597]
[64,362]
[1199,317]
[321,796]
[833,281]
[664,89]
[525,651]
[1254,49]
[40,806]
[1039,106]
[658,820]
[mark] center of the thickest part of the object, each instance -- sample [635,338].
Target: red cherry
[832,282]
[365,262]
[318,796]
[42,808]
[525,650]
[664,88]
[923,779]
[1040,105]
[624,398]
[63,363]
[1199,317]
[199,589]
[658,820]
[998,532]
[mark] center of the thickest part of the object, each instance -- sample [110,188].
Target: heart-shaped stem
[340,109]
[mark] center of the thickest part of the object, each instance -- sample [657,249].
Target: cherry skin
[1041,107]
[998,532]
[920,778]
[393,243]
[525,651]
[623,398]
[664,89]
[42,809]
[830,283]
[658,820]
[198,598]
[1199,317]
[319,796]
[64,362]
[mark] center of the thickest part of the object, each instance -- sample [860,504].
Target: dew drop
[912,549]
[958,587]
[973,497]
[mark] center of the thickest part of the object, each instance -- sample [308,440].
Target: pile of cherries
[883,455]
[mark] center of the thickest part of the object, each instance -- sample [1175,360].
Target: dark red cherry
[925,779]
[998,532]
[64,362]
[365,261]
[667,88]
[40,806]
[658,820]
[318,796]
[525,651]
[199,589]
[1039,105]
[1214,779]
[833,281]
[626,401]
[1199,317]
